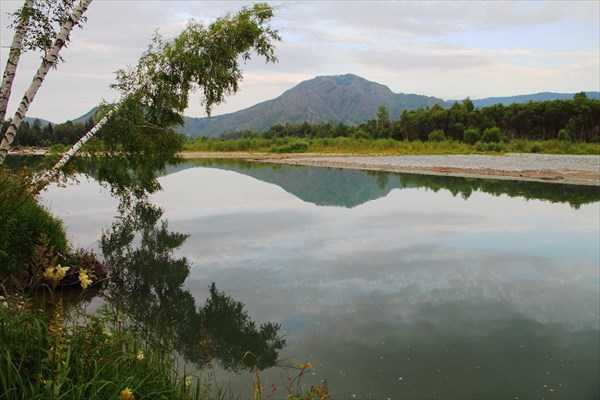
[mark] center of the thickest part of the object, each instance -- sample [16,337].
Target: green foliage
[491,135]
[471,135]
[293,147]
[28,229]
[52,353]
[436,136]
[563,135]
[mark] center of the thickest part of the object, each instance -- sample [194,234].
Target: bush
[491,135]
[436,136]
[471,135]
[294,147]
[29,236]
[563,135]
[536,148]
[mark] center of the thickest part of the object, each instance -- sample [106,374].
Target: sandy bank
[571,169]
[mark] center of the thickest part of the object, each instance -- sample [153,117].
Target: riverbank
[570,169]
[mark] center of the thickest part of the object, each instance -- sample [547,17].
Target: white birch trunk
[16,48]
[47,63]
[47,176]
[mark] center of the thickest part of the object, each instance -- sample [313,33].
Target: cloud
[439,48]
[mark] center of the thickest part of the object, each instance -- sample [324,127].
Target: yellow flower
[85,278]
[308,365]
[188,380]
[126,394]
[55,274]
[140,355]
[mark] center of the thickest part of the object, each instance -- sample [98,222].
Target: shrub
[29,234]
[491,135]
[294,147]
[563,135]
[471,135]
[436,136]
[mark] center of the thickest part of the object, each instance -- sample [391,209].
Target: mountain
[342,98]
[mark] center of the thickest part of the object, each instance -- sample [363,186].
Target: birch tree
[36,25]
[155,92]
[49,60]
[14,55]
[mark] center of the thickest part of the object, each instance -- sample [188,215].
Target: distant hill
[43,122]
[341,98]
[524,98]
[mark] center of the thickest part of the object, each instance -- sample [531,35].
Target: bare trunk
[16,48]
[47,176]
[47,63]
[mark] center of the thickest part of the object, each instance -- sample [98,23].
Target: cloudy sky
[447,49]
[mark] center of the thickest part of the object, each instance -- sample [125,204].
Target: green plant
[471,135]
[491,135]
[563,135]
[30,235]
[296,389]
[436,136]
[50,351]
[294,147]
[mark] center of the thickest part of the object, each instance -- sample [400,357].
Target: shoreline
[566,169]
[550,168]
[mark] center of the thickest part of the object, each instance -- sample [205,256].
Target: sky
[447,49]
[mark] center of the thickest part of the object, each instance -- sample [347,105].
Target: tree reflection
[146,285]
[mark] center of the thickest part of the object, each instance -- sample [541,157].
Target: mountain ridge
[349,99]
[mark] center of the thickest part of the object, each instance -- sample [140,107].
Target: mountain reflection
[147,285]
[351,187]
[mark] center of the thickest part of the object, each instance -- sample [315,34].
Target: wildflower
[107,332]
[140,355]
[188,380]
[55,274]
[126,394]
[308,365]
[85,278]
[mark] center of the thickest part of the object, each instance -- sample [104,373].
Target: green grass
[55,352]
[345,145]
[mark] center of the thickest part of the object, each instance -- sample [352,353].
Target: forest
[576,120]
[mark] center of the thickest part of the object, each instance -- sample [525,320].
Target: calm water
[393,286]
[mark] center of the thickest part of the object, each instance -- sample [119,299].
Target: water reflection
[435,291]
[146,285]
[350,188]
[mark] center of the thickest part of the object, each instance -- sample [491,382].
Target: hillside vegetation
[557,126]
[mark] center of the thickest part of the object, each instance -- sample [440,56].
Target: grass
[345,145]
[53,351]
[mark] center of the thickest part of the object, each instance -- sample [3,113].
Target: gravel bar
[572,169]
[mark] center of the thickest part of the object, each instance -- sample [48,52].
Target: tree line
[576,120]
[36,134]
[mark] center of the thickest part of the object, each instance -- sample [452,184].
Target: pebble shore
[570,169]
